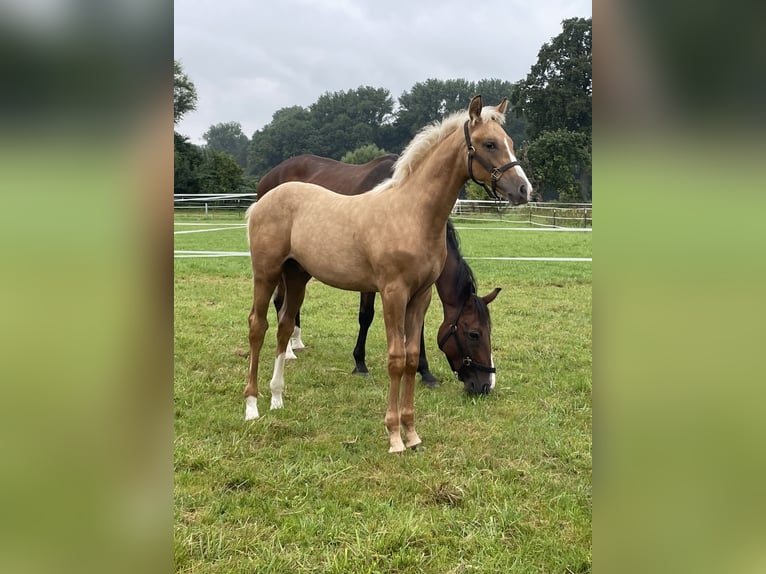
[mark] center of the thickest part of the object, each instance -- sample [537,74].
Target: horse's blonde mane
[428,137]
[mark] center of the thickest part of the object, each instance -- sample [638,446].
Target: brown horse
[465,314]
[389,240]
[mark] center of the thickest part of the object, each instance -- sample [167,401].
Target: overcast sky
[249,58]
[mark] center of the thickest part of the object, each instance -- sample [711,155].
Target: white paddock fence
[551,215]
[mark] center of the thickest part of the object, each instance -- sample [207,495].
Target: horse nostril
[523,190]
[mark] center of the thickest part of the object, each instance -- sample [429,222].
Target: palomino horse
[389,240]
[465,314]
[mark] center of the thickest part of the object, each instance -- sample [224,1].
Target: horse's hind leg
[294,280]
[258,323]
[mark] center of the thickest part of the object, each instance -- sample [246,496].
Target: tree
[346,120]
[228,137]
[219,173]
[558,162]
[289,133]
[187,160]
[184,93]
[431,101]
[558,91]
[363,154]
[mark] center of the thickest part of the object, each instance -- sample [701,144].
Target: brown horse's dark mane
[464,281]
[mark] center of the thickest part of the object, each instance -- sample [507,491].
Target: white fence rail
[550,215]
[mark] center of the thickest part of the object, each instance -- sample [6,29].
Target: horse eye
[490,145]
[474,335]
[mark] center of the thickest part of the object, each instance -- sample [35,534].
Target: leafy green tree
[228,137]
[431,101]
[187,160]
[184,93]
[558,163]
[558,91]
[289,133]
[219,173]
[363,154]
[346,120]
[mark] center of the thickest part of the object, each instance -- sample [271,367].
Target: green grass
[503,483]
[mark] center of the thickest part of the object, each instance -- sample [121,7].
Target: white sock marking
[295,339]
[492,375]
[251,408]
[277,384]
[289,354]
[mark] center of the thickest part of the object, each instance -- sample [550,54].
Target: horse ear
[502,106]
[474,108]
[489,297]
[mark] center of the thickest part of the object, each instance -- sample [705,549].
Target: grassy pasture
[503,483]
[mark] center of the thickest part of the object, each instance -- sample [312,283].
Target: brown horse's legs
[294,280]
[258,323]
[296,343]
[416,310]
[426,375]
[366,314]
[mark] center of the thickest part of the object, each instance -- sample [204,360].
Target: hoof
[396,450]
[433,384]
[276,403]
[363,373]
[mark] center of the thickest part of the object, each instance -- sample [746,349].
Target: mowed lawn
[502,483]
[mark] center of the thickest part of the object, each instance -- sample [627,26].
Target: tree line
[550,122]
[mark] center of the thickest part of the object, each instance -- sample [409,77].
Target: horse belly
[334,259]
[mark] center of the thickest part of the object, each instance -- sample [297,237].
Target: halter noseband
[467,361]
[495,173]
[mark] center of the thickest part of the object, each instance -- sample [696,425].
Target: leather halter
[495,173]
[467,361]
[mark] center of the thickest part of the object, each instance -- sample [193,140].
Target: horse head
[466,343]
[492,161]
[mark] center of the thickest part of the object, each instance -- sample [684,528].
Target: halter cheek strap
[467,361]
[495,173]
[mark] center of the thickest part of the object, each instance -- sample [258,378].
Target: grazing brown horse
[389,240]
[465,318]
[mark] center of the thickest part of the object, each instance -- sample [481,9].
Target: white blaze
[518,170]
[491,375]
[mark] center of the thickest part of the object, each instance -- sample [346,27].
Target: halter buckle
[496,174]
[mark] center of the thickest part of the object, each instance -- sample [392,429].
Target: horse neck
[450,297]
[434,185]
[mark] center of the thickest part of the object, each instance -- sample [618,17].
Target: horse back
[340,177]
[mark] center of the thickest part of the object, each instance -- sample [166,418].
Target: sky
[249,58]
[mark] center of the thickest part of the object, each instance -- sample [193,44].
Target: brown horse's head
[466,342]
[492,161]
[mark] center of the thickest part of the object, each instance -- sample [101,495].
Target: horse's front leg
[413,326]
[394,308]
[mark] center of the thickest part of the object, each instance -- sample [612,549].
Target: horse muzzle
[476,382]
